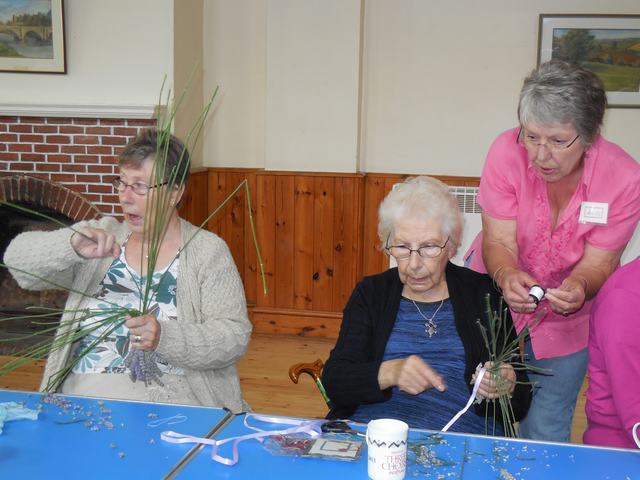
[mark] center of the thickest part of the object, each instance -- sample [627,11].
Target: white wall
[288,72]
[313,66]
[117,54]
[187,75]
[440,80]
[234,59]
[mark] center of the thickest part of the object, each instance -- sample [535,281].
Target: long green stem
[52,283]
[57,379]
[157,218]
[503,348]
[51,219]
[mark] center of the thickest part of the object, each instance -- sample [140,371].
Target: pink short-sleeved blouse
[510,189]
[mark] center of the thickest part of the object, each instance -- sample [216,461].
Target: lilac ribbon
[299,426]
[472,398]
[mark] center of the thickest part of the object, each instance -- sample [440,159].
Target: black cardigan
[350,375]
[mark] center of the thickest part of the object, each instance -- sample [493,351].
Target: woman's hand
[495,384]
[94,243]
[411,375]
[569,296]
[144,332]
[515,285]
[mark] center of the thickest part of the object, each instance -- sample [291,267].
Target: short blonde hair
[421,197]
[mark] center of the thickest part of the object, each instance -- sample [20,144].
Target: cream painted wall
[288,76]
[188,26]
[234,59]
[440,80]
[117,54]
[313,66]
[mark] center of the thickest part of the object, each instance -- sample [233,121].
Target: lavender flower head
[143,367]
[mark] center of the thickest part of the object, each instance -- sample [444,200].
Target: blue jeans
[554,396]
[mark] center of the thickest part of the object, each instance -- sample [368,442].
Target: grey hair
[426,198]
[559,92]
[147,144]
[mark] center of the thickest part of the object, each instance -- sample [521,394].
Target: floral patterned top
[124,287]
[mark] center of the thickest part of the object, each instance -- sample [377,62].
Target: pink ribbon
[312,428]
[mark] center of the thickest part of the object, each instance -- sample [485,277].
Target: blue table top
[430,455]
[257,463]
[89,448]
[93,438]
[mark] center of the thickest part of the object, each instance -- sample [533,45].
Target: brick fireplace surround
[79,153]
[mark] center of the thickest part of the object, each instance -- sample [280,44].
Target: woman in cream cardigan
[198,328]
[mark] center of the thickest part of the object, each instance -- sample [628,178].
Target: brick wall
[80,153]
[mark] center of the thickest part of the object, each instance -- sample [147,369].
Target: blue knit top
[444,352]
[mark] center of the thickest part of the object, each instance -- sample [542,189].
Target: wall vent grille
[466,197]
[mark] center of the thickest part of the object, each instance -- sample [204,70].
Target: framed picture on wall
[608,45]
[32,36]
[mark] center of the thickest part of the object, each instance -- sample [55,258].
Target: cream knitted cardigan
[212,331]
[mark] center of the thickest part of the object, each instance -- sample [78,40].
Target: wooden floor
[265,380]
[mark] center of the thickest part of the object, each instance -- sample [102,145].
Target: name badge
[594,212]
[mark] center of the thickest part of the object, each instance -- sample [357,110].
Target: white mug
[387,449]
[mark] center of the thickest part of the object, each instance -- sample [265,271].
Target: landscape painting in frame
[608,45]
[32,36]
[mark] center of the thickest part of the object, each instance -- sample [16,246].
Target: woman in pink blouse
[559,204]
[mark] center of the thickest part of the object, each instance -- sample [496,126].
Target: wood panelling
[308,240]
[303,243]
[317,234]
[193,206]
[347,240]
[231,222]
[284,226]
[266,232]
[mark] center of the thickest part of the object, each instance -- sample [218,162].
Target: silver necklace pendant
[430,327]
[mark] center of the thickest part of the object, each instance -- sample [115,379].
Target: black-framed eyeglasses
[531,141]
[139,188]
[402,252]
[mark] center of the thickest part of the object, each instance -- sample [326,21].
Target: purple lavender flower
[143,366]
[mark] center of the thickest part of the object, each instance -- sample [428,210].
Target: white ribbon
[635,434]
[299,426]
[472,397]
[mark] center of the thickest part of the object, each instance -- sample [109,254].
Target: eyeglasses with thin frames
[531,141]
[402,252]
[139,188]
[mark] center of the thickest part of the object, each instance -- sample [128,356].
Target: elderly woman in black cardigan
[410,344]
